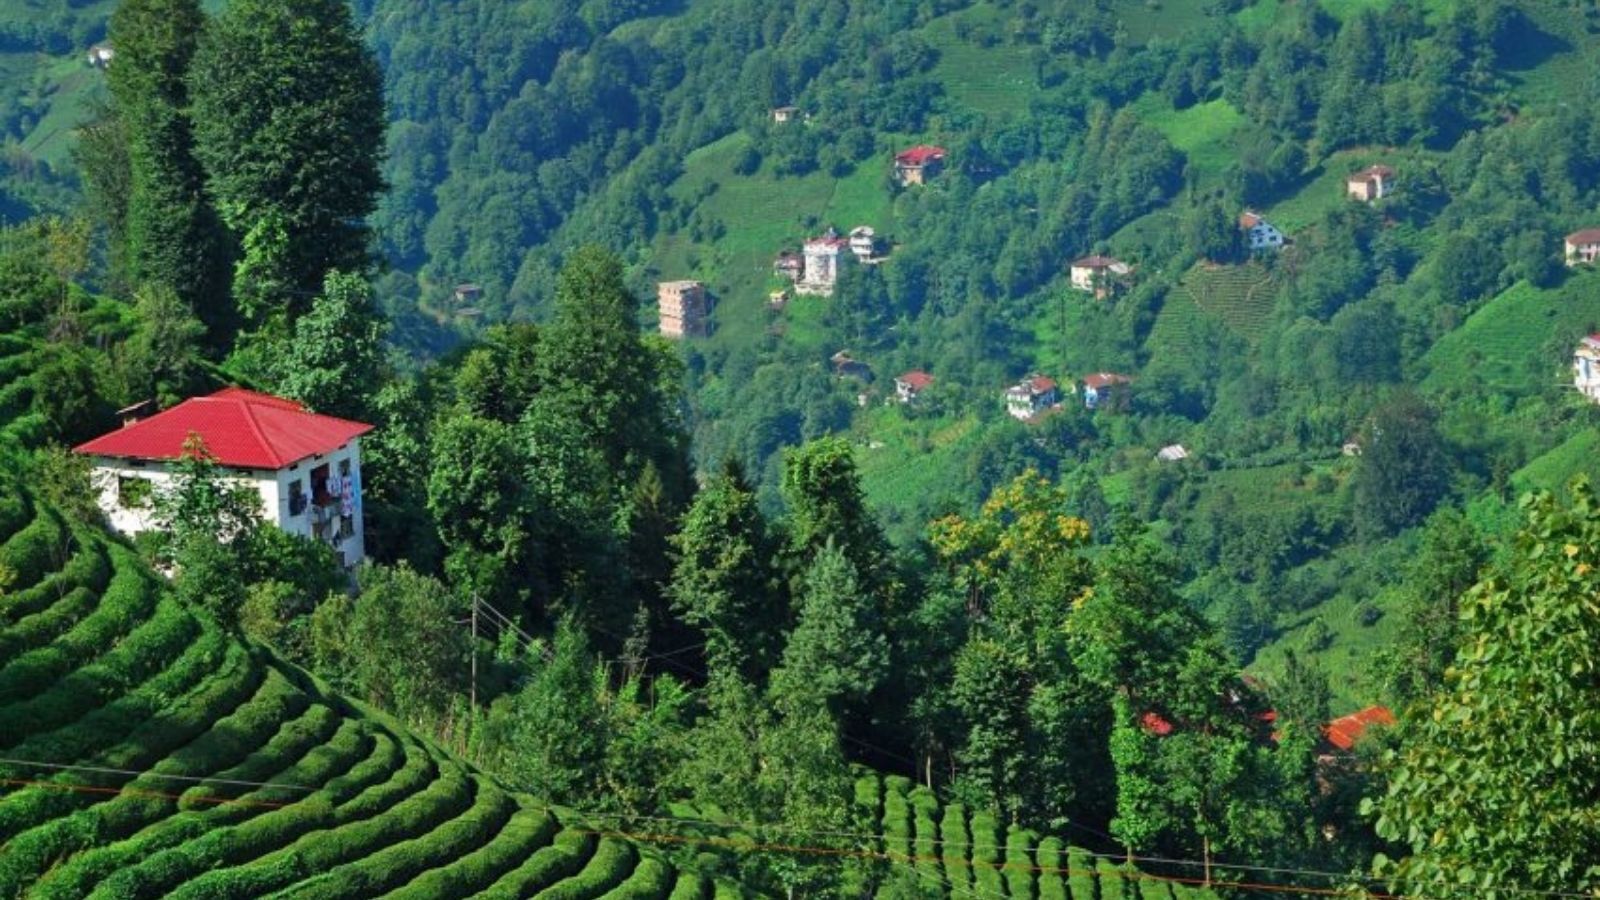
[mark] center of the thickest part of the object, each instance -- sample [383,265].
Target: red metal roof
[919,155]
[1155,724]
[1346,731]
[917,379]
[1586,236]
[1039,384]
[1102,380]
[241,428]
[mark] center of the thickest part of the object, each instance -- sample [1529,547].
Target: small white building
[305,467]
[864,243]
[785,114]
[1032,396]
[1586,368]
[1172,453]
[1259,234]
[101,55]
[823,258]
[1097,275]
[1105,390]
[1583,247]
[1369,184]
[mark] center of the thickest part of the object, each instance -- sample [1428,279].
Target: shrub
[1081,874]
[30,554]
[549,865]
[611,864]
[39,628]
[88,568]
[1052,878]
[1019,870]
[528,830]
[956,845]
[1114,884]
[985,855]
[925,841]
[651,880]
[690,886]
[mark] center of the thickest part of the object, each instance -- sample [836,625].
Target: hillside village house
[919,165]
[911,385]
[847,366]
[1369,184]
[1586,368]
[782,114]
[1032,396]
[305,467]
[468,293]
[789,265]
[683,308]
[864,243]
[101,55]
[1097,275]
[1259,234]
[823,257]
[1583,247]
[1105,390]
[1172,453]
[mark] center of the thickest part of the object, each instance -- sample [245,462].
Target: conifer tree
[172,237]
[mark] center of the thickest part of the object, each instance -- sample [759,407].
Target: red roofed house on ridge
[919,165]
[1343,733]
[908,386]
[305,466]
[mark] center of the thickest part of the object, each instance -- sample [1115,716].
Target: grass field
[999,79]
[1519,343]
[1204,132]
[1578,455]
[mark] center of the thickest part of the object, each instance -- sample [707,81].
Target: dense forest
[721,583]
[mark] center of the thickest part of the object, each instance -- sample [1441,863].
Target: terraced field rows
[157,755]
[969,854]
[1241,296]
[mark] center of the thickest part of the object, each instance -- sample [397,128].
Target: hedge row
[88,567]
[40,628]
[129,601]
[1052,880]
[1081,878]
[382,870]
[956,846]
[727,890]
[1114,884]
[15,398]
[321,850]
[77,876]
[1019,870]
[896,821]
[15,510]
[652,879]
[925,836]
[985,855]
[690,886]
[177,726]
[120,734]
[261,834]
[30,554]
[26,430]
[228,741]
[57,694]
[564,857]
[613,861]
[527,831]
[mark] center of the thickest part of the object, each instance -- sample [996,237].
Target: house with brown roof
[1105,390]
[1032,396]
[783,114]
[908,387]
[919,165]
[1097,275]
[1369,184]
[467,293]
[1583,247]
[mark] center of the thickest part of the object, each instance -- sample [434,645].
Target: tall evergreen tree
[172,236]
[289,122]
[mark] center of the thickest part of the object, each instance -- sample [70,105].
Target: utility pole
[474,651]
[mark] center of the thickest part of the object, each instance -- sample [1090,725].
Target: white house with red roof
[1582,247]
[911,385]
[1097,274]
[919,165]
[1032,396]
[1369,184]
[306,467]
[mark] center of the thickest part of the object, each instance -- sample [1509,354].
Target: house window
[347,526]
[134,492]
[297,497]
[319,486]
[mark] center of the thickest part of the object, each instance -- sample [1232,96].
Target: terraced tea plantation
[956,852]
[220,772]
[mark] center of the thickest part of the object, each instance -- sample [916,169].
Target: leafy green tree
[206,524]
[477,498]
[1209,232]
[1450,560]
[724,581]
[1493,789]
[822,491]
[1403,470]
[162,357]
[289,124]
[335,361]
[397,644]
[174,239]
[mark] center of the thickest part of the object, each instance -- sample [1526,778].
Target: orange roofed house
[911,385]
[1105,390]
[1345,732]
[305,467]
[919,165]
